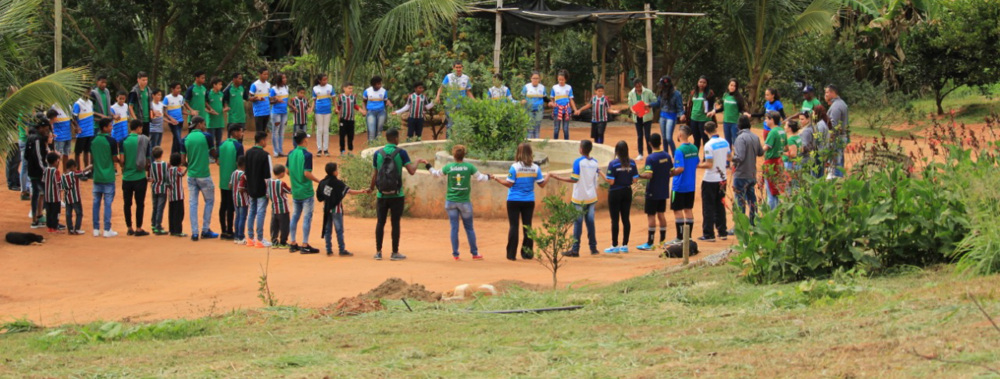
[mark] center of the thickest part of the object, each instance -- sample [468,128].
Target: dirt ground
[75,279]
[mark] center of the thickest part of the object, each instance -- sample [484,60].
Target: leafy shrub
[21,325]
[117,331]
[490,129]
[872,221]
[553,238]
[356,172]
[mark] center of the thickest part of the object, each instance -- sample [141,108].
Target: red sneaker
[477,257]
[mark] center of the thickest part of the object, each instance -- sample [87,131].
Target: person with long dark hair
[671,106]
[521,180]
[698,106]
[279,117]
[732,106]
[772,103]
[323,95]
[622,173]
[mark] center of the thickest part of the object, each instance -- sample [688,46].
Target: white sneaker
[97,233]
[638,157]
[239,242]
[31,215]
[266,243]
[110,233]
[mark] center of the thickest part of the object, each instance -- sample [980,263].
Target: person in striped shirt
[50,181]
[277,194]
[241,200]
[158,172]
[299,106]
[416,104]
[175,195]
[347,103]
[599,116]
[71,196]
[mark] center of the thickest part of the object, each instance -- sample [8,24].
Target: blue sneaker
[623,249]
[209,234]
[611,250]
[645,247]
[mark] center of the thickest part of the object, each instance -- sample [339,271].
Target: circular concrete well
[425,193]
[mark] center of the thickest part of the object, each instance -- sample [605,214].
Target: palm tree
[18,19]
[763,27]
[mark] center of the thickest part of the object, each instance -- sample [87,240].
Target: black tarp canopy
[522,18]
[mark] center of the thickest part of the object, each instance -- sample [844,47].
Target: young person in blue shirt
[260,96]
[584,178]
[521,180]
[686,162]
[458,85]
[534,102]
[622,173]
[563,105]
[772,103]
[279,117]
[659,169]
[671,105]
[83,113]
[376,98]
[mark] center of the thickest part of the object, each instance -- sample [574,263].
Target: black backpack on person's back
[389,178]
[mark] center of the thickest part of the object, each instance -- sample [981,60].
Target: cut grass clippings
[703,322]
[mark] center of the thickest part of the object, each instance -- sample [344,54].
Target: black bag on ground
[676,250]
[389,179]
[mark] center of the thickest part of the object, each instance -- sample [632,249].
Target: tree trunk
[938,99]
[753,89]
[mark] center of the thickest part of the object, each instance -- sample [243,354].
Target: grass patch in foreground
[702,322]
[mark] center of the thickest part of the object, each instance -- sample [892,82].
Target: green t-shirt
[22,134]
[792,141]
[104,102]
[698,108]
[402,159]
[459,181]
[144,101]
[104,149]
[227,162]
[196,149]
[777,140]
[197,100]
[730,109]
[300,161]
[130,145]
[237,114]
[215,101]
[808,105]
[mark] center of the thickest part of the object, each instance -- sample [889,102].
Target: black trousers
[346,130]
[597,131]
[620,205]
[392,208]
[37,201]
[520,213]
[279,228]
[713,212]
[176,217]
[414,127]
[227,211]
[642,130]
[698,128]
[71,209]
[145,129]
[262,123]
[52,214]
[14,168]
[134,189]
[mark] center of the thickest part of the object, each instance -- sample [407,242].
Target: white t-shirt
[157,108]
[562,94]
[586,171]
[500,93]
[458,83]
[120,112]
[716,150]
[534,96]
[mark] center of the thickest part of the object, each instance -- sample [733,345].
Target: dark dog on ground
[18,238]
[677,250]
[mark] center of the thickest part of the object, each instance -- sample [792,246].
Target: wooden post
[687,243]
[496,39]
[649,47]
[57,65]
[593,60]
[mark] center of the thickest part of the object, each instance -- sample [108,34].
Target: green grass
[971,106]
[702,322]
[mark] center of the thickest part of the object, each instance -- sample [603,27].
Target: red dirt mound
[351,306]
[396,288]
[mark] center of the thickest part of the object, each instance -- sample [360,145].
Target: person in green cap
[197,148]
[229,152]
[214,107]
[134,158]
[233,97]
[196,98]
[809,99]
[300,166]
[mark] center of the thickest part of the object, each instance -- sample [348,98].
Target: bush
[871,221]
[490,129]
[356,172]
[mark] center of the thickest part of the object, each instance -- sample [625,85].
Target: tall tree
[876,28]
[764,28]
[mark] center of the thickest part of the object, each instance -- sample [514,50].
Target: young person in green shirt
[134,158]
[104,150]
[774,148]
[300,166]
[229,152]
[139,101]
[791,156]
[732,105]
[644,123]
[810,101]
[233,97]
[457,203]
[198,147]
[196,98]
[699,104]
[215,107]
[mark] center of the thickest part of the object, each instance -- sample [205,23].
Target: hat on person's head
[808,89]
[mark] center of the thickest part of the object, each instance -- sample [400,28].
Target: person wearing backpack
[388,180]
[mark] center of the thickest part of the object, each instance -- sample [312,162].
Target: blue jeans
[837,168]
[103,192]
[337,224]
[745,193]
[155,139]
[278,122]
[240,225]
[565,128]
[25,181]
[536,123]
[159,204]
[731,130]
[587,216]
[175,131]
[667,125]
[14,169]
[298,208]
[207,189]
[772,200]
[375,121]
[256,210]
[462,210]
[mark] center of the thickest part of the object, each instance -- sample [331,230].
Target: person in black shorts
[686,162]
[658,170]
